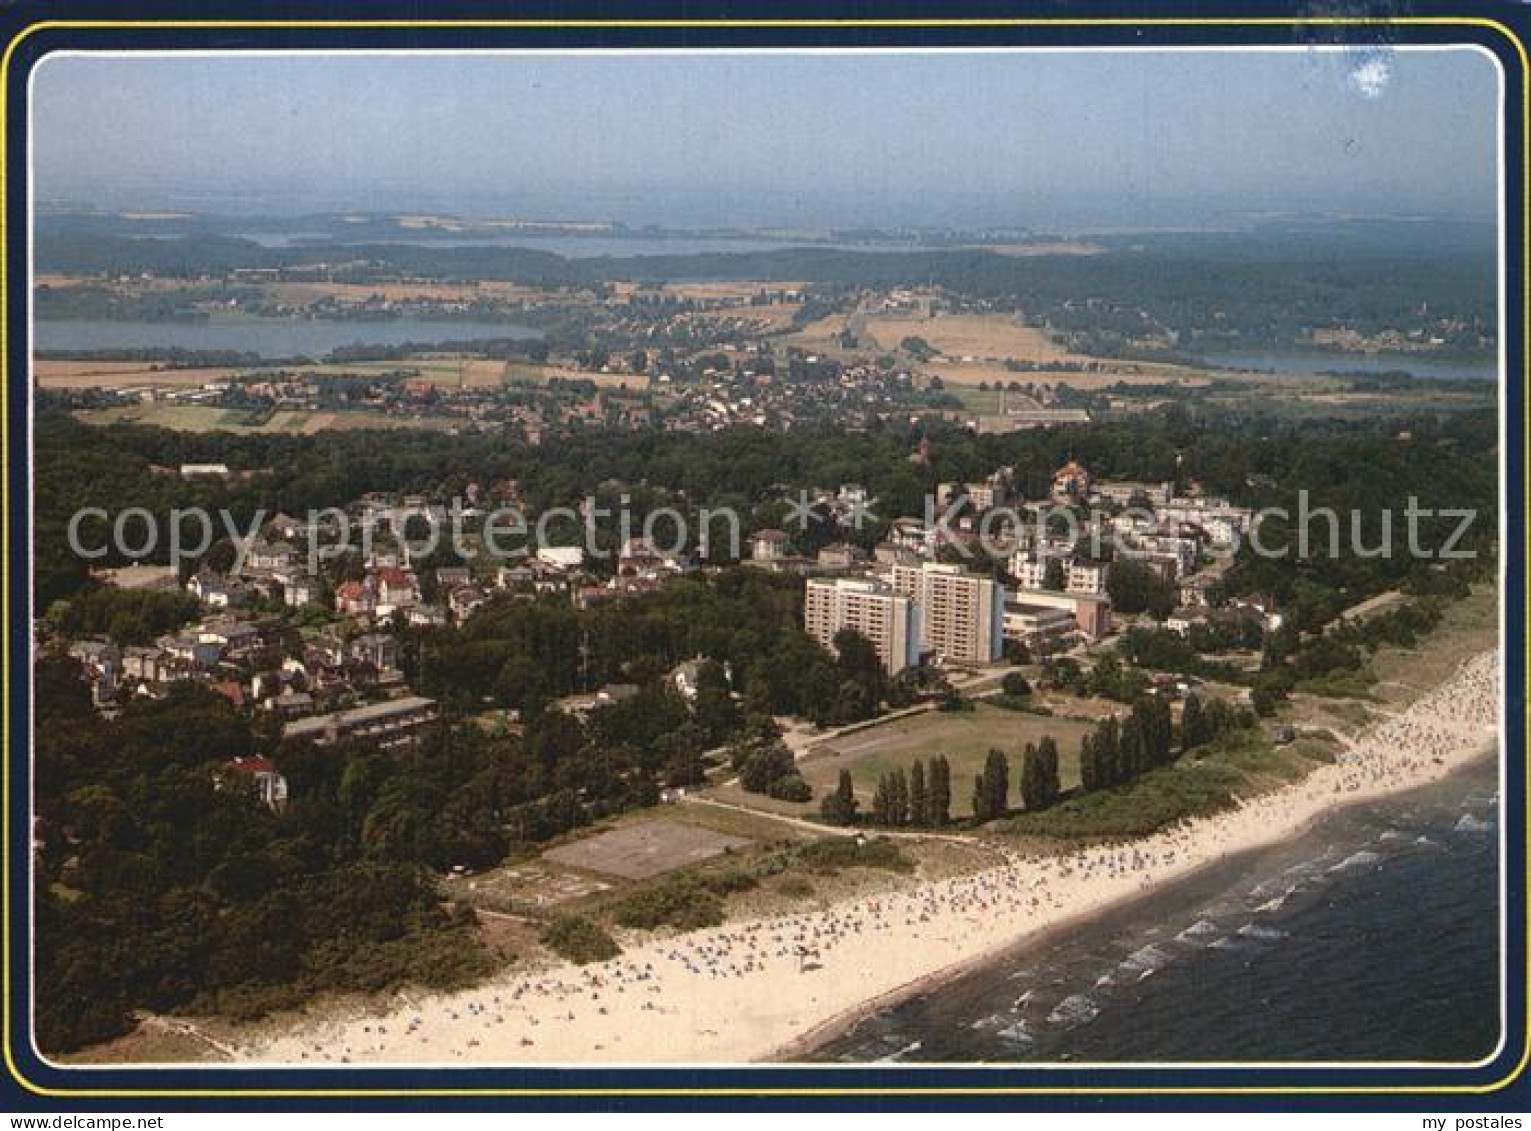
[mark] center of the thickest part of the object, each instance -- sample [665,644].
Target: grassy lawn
[982,401]
[964,737]
[1467,627]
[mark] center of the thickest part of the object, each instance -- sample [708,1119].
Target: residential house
[262,775]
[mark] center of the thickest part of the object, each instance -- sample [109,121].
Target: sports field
[965,737]
[636,852]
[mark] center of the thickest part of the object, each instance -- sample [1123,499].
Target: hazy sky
[937,138]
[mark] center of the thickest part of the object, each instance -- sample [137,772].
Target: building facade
[886,618]
[961,614]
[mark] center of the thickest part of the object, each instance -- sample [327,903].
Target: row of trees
[922,797]
[1115,753]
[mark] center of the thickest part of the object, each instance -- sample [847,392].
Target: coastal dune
[770,988]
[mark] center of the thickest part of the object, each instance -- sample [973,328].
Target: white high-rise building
[886,618]
[961,614]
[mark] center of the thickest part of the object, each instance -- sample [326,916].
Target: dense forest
[163,884]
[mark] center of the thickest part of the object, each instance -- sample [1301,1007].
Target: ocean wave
[1361,859]
[1267,888]
[1255,931]
[1073,1011]
[1467,823]
[1309,868]
[1277,901]
[1017,1034]
[1233,942]
[1146,959]
[898,1054]
[1197,933]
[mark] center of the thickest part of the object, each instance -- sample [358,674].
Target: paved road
[830,830]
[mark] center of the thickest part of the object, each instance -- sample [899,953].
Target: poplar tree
[1033,791]
[919,796]
[981,800]
[996,777]
[1089,763]
[1131,751]
[1192,724]
[840,806]
[1109,755]
[898,797]
[1047,755]
[880,802]
[940,791]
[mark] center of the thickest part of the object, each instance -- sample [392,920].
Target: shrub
[727,881]
[1023,703]
[681,902]
[764,766]
[795,887]
[791,788]
[845,852]
[1015,684]
[579,940]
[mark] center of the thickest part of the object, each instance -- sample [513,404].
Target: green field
[205,418]
[1467,627]
[964,737]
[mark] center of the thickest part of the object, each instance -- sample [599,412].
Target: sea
[1372,936]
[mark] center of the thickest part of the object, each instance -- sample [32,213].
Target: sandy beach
[761,989]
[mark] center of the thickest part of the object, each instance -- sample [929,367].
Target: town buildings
[389,723]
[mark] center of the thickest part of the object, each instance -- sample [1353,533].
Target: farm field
[992,337]
[66,374]
[971,373]
[483,373]
[542,374]
[821,335]
[202,418]
[721,289]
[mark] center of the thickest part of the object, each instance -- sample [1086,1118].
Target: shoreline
[769,989]
[836,1027]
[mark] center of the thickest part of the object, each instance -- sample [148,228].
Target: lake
[1300,363]
[268,337]
[570,247]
